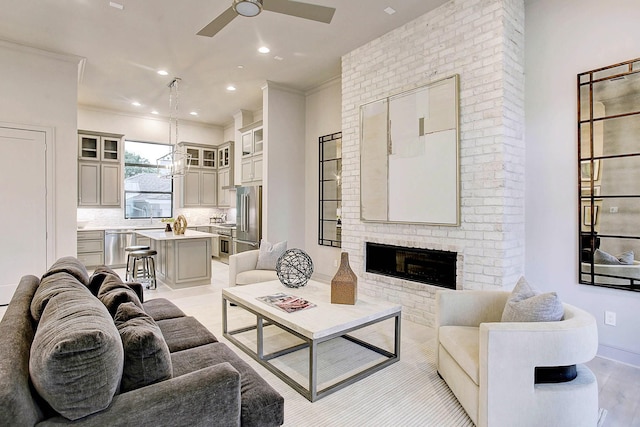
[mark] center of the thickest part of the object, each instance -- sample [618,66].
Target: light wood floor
[619,383]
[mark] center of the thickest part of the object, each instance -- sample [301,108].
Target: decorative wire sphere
[294,268]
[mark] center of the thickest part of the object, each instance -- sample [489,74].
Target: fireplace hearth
[433,267]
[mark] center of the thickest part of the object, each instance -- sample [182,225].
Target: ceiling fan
[251,8]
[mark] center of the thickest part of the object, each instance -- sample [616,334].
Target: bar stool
[146,271]
[128,250]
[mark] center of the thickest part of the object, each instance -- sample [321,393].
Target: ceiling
[124,48]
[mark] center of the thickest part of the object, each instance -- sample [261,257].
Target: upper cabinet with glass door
[99,147]
[609,176]
[252,140]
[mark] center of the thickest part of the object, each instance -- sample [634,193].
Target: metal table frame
[311,393]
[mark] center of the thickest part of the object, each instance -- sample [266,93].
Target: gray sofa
[86,350]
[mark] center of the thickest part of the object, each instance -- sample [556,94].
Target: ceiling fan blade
[300,10]
[219,23]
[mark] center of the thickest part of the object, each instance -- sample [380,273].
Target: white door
[23,185]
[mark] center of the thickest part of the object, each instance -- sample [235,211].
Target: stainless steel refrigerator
[248,218]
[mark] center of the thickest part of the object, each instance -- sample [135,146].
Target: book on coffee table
[287,302]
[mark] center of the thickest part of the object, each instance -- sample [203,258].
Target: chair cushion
[602,257]
[255,276]
[146,356]
[527,304]
[269,254]
[98,277]
[76,358]
[463,344]
[184,332]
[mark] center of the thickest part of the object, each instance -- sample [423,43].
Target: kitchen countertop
[162,235]
[160,226]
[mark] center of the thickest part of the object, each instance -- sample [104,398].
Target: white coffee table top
[317,322]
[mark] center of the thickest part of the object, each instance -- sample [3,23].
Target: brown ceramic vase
[344,285]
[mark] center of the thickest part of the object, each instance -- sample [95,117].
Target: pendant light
[177,162]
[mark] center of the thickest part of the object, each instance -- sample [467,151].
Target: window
[146,194]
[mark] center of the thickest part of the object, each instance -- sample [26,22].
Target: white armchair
[242,269]
[489,365]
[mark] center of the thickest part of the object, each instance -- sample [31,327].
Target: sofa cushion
[98,276]
[113,292]
[269,254]
[260,404]
[527,304]
[72,266]
[51,286]
[184,332]
[602,257]
[146,355]
[161,308]
[463,344]
[255,276]
[76,358]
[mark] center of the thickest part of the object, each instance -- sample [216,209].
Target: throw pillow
[113,292]
[71,266]
[97,278]
[50,286]
[602,257]
[269,254]
[527,304]
[146,355]
[76,357]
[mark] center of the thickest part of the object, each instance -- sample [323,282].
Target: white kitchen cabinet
[252,147]
[199,188]
[91,247]
[225,174]
[100,147]
[251,171]
[99,169]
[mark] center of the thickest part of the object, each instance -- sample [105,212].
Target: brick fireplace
[483,42]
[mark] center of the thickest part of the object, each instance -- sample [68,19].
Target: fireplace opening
[429,266]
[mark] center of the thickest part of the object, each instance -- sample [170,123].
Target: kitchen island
[183,260]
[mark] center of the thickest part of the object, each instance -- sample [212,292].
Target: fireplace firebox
[433,267]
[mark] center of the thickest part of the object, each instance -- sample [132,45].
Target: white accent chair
[242,269]
[489,365]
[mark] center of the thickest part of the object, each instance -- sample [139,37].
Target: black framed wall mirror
[609,176]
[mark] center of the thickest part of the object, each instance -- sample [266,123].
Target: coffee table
[313,326]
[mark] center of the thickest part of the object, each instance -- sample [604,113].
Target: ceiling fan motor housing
[247,7]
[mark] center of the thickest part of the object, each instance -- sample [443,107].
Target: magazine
[286,302]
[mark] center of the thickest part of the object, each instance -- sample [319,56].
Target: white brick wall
[483,42]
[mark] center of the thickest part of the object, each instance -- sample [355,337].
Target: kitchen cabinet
[99,184]
[225,174]
[91,247]
[99,169]
[252,144]
[99,147]
[200,183]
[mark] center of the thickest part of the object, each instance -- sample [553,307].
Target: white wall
[323,117]
[564,38]
[147,129]
[284,161]
[40,88]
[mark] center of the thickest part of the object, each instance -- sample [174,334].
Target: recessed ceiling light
[278,58]
[155,112]
[264,49]
[194,113]
[231,88]
[136,104]
[240,67]
[116,5]
[163,72]
[390,11]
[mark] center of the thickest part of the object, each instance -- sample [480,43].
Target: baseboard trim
[619,355]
